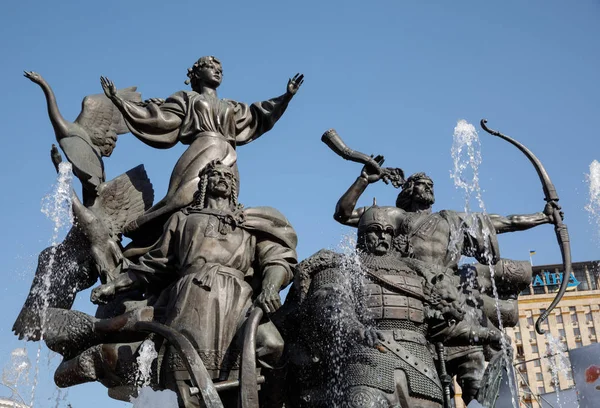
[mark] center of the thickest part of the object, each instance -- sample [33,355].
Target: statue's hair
[194,72]
[200,195]
[405,197]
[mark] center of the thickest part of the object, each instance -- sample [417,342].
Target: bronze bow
[562,235]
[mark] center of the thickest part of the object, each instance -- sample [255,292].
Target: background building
[542,362]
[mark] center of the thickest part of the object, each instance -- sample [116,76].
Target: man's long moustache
[428,198]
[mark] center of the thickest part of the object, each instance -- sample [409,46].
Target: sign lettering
[554,279]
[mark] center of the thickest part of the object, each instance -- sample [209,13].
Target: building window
[588,317]
[559,319]
[580,275]
[576,331]
[518,335]
[539,377]
[578,343]
[530,321]
[520,351]
[541,390]
[574,318]
[572,309]
[561,333]
[536,363]
[534,349]
[592,331]
[532,335]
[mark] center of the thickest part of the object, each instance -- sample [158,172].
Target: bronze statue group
[201,277]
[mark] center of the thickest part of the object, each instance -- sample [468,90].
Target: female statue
[212,128]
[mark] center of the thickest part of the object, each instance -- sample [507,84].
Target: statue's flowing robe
[209,276]
[211,127]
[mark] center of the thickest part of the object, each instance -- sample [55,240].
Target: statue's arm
[154,124]
[254,120]
[122,283]
[345,211]
[275,277]
[518,222]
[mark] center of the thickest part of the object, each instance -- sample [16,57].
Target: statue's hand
[372,337]
[294,84]
[373,174]
[367,336]
[33,77]
[103,294]
[269,300]
[549,211]
[110,90]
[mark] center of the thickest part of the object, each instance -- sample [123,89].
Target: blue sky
[393,77]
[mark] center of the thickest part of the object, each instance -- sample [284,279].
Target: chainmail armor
[372,368]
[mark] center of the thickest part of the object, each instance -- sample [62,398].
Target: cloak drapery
[211,127]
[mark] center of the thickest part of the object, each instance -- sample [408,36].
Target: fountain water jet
[58,207]
[144,361]
[558,361]
[593,206]
[466,155]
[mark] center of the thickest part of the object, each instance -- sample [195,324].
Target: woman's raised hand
[294,83]
[110,90]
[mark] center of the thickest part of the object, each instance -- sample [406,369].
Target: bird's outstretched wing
[125,198]
[103,121]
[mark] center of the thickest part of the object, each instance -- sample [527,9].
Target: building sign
[553,278]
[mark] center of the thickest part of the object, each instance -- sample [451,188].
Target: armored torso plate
[392,290]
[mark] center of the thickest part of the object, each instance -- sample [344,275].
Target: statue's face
[423,191]
[220,182]
[211,73]
[378,239]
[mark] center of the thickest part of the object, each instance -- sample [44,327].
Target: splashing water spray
[57,207]
[147,397]
[466,156]
[353,281]
[593,205]
[17,373]
[144,361]
[558,361]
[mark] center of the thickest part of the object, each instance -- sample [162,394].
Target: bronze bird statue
[91,136]
[91,250]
